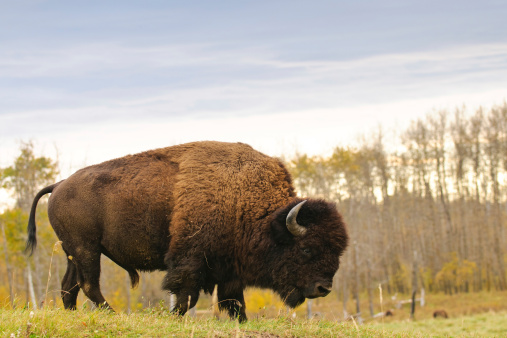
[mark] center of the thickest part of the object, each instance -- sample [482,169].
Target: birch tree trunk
[369,287]
[31,291]
[128,293]
[356,287]
[8,266]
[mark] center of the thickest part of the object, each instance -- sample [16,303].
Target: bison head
[308,239]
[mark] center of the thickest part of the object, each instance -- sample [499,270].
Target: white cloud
[313,106]
[86,59]
[314,131]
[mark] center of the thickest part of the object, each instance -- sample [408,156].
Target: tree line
[427,210]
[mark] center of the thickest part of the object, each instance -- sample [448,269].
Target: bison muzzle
[208,213]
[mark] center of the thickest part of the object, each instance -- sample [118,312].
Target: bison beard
[208,213]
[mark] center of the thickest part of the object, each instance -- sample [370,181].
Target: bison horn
[292,224]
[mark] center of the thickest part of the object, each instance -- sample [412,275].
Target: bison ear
[280,233]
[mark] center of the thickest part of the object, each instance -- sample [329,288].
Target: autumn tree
[23,180]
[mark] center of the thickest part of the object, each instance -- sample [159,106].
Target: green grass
[482,325]
[158,323]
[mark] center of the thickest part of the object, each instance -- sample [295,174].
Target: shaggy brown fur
[207,212]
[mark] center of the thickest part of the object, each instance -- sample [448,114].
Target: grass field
[489,324]
[470,315]
[85,323]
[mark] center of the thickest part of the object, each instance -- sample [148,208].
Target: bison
[208,213]
[440,313]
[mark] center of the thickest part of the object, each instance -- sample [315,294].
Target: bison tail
[31,242]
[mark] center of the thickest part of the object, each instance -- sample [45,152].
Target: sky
[88,81]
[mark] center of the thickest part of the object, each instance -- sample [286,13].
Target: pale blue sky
[101,79]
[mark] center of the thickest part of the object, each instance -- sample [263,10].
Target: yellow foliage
[117,300]
[456,273]
[258,299]
[427,277]
[401,279]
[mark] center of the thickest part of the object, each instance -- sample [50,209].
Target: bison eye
[306,252]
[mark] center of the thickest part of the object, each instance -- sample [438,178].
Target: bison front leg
[184,302]
[231,299]
[185,282]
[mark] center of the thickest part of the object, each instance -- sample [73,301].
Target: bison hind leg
[70,287]
[87,262]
